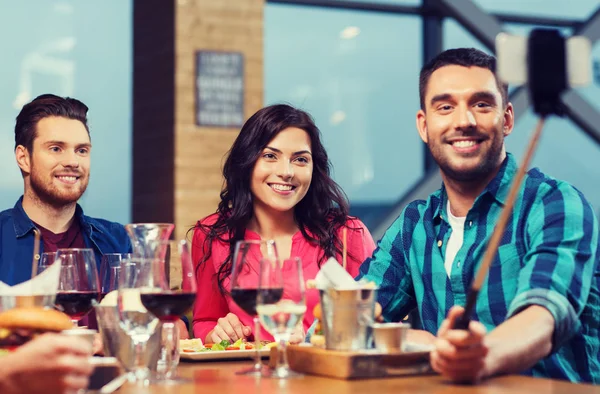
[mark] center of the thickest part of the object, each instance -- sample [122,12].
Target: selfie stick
[547,76]
[463,321]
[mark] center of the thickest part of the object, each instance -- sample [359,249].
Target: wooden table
[219,378]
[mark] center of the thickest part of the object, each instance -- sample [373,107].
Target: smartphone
[511,54]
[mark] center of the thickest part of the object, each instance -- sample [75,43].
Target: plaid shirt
[548,256]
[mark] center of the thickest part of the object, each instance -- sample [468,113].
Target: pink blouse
[211,304]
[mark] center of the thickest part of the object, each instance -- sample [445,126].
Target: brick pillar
[224,25]
[177,164]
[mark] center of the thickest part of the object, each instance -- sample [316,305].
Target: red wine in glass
[246,298]
[78,285]
[245,282]
[168,306]
[76,304]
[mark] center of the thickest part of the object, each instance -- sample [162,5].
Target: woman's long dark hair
[319,214]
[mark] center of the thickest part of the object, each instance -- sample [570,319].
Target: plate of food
[194,349]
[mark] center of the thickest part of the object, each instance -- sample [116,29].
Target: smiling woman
[283,172]
[277,186]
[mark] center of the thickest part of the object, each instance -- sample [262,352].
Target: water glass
[282,315]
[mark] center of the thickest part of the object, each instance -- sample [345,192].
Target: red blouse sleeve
[210,303]
[360,245]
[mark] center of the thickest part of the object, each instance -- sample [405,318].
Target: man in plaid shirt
[538,311]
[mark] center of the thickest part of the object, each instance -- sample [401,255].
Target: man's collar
[500,185]
[21,221]
[438,202]
[498,188]
[85,221]
[23,224]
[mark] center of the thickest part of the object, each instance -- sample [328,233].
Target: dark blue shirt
[17,236]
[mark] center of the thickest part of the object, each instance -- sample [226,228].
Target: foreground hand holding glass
[281,316]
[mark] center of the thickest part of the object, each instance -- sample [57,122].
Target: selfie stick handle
[492,248]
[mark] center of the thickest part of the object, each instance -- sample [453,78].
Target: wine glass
[134,319]
[110,268]
[280,314]
[244,286]
[168,298]
[78,285]
[46,260]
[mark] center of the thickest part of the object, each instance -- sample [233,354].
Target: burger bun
[35,318]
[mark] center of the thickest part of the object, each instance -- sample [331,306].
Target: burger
[20,325]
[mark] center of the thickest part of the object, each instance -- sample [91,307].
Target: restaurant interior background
[352,64]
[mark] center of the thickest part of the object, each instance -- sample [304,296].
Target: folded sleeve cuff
[566,321]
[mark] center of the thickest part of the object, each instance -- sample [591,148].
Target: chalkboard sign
[219,89]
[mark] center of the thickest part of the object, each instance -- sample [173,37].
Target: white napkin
[45,283]
[332,274]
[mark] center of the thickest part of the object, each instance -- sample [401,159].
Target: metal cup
[390,337]
[117,344]
[347,318]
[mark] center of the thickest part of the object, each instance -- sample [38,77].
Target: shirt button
[37,256]
[458,264]
[439,243]
[470,223]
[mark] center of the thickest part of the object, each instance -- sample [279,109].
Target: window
[357,74]
[78,49]
[580,9]
[592,93]
[394,2]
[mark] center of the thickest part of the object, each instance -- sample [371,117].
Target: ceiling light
[337,117]
[349,32]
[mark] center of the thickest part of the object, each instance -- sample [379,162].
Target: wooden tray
[356,365]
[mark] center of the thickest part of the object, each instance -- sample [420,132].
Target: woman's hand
[228,328]
[183,330]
